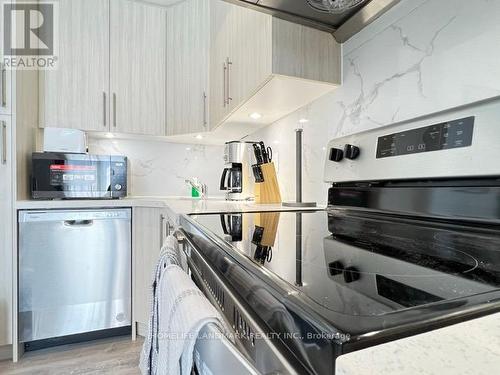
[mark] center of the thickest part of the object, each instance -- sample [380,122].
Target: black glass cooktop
[344,280]
[361,265]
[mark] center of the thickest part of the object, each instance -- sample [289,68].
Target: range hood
[315,13]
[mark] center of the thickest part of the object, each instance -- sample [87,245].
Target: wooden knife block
[268,191]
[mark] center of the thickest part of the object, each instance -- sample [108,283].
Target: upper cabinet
[111,68]
[188,39]
[138,74]
[240,56]
[76,95]
[265,66]
[188,67]
[5,76]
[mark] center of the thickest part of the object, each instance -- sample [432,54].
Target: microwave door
[71,176]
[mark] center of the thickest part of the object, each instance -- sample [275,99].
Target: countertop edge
[176,205]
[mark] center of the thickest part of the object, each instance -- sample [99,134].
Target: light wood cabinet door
[220,40]
[5,77]
[250,53]
[6,241]
[188,33]
[75,95]
[138,74]
[149,231]
[241,56]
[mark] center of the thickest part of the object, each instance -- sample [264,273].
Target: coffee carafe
[237,178]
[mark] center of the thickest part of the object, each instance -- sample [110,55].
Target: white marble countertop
[469,348]
[178,205]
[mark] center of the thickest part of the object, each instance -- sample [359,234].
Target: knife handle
[265,158]
[258,153]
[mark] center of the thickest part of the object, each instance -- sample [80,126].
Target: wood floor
[108,356]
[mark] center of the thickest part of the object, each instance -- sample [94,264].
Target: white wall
[421,57]
[158,168]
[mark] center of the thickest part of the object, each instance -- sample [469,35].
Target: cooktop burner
[358,265]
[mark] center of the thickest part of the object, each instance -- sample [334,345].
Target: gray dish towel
[179,310]
[169,254]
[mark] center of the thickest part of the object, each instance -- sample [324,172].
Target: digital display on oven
[444,136]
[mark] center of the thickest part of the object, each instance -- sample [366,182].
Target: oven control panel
[461,142]
[443,136]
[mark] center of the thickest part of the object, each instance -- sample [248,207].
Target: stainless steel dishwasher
[74,275]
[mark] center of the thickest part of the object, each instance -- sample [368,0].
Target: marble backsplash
[158,168]
[422,56]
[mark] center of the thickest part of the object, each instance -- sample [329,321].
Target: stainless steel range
[410,242]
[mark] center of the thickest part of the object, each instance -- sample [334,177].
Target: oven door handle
[220,354]
[188,247]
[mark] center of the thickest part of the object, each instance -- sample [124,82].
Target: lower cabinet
[150,228]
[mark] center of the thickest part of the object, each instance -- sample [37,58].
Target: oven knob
[351,274]
[335,268]
[351,152]
[118,187]
[336,154]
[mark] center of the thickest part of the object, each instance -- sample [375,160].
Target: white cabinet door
[188,33]
[75,95]
[220,20]
[148,234]
[138,74]
[5,231]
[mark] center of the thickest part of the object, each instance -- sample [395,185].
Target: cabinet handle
[229,63]
[162,220]
[4,143]
[104,108]
[3,90]
[224,70]
[205,109]
[114,110]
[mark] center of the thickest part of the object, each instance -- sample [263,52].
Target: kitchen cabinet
[5,77]
[262,64]
[219,47]
[249,54]
[76,94]
[111,68]
[138,75]
[6,237]
[135,67]
[150,228]
[188,38]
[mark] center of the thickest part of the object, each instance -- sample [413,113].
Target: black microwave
[78,176]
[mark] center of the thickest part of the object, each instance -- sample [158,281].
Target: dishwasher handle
[74,217]
[78,223]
